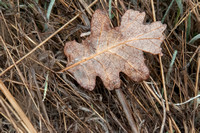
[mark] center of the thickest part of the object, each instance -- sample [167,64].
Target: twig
[176,104]
[188,64]
[11,66]
[164,117]
[197,79]
[17,108]
[165,93]
[170,68]
[126,109]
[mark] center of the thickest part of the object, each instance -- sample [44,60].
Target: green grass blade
[50,8]
[134,2]
[194,39]
[170,5]
[110,9]
[170,68]
[180,6]
[36,1]
[188,27]
[3,4]
[48,13]
[177,16]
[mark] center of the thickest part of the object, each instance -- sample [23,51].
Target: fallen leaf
[109,51]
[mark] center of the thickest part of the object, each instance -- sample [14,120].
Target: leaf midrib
[94,55]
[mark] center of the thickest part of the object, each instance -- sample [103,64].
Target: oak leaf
[109,51]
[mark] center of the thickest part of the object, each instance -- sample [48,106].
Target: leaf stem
[126,109]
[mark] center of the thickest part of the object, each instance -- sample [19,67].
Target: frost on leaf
[109,51]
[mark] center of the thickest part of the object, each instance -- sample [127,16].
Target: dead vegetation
[34,97]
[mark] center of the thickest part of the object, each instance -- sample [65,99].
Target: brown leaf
[107,51]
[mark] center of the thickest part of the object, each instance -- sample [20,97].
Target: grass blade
[180,5]
[50,8]
[163,19]
[188,27]
[48,13]
[194,39]
[170,68]
[110,9]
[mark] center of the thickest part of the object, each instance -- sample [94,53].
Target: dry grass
[31,49]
